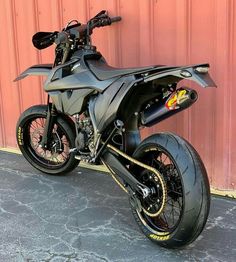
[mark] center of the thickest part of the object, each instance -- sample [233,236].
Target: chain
[154,171]
[114,177]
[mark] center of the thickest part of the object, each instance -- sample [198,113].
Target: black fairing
[70,102]
[74,74]
[112,93]
[42,69]
[70,85]
[108,102]
[124,100]
[103,71]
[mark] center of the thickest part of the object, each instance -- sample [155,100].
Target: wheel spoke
[170,216]
[165,219]
[33,126]
[57,153]
[42,122]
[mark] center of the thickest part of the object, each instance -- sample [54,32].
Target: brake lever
[100,13]
[103,16]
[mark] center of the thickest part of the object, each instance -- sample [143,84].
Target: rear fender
[188,73]
[43,69]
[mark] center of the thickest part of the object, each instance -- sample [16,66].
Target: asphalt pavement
[85,216]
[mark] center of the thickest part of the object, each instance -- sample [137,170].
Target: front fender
[43,69]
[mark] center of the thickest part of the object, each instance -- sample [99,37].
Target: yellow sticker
[175,98]
[171,103]
[156,237]
[20,136]
[151,149]
[181,94]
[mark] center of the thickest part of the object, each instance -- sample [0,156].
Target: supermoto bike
[94,113]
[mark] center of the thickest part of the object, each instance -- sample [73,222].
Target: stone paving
[84,216]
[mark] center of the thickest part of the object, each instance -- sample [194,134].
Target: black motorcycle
[94,113]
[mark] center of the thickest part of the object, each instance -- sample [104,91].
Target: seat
[103,71]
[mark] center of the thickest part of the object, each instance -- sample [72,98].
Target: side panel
[108,102]
[74,75]
[70,102]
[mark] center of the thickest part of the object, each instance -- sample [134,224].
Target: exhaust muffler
[179,100]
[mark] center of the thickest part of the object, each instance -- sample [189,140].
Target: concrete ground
[86,217]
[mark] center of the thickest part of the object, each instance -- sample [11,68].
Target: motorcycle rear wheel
[55,160]
[187,188]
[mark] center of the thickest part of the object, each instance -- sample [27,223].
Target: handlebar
[81,30]
[42,40]
[116,19]
[105,20]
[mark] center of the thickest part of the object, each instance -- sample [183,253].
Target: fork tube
[49,124]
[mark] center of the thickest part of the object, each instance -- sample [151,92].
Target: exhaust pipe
[179,100]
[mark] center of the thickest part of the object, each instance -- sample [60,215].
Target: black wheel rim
[57,155]
[171,215]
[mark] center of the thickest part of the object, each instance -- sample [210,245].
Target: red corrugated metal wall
[151,32]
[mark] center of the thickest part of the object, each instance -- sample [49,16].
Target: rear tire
[188,191]
[56,160]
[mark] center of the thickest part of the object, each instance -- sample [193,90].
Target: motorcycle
[94,114]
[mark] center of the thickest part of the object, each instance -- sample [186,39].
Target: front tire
[56,160]
[188,193]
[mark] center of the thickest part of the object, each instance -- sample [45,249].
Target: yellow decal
[155,237]
[171,102]
[174,99]
[20,136]
[181,93]
[151,149]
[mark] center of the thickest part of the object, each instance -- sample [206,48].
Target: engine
[84,139]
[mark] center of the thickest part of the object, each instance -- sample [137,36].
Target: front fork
[49,124]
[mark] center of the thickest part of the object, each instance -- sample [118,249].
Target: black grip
[115,19]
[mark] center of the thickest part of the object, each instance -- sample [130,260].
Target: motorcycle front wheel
[56,159]
[187,197]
